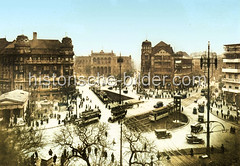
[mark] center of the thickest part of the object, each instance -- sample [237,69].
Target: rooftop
[15,95]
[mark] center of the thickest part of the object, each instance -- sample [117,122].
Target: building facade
[104,63]
[161,61]
[35,65]
[13,105]
[231,73]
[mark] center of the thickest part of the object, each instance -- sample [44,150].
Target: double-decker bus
[104,96]
[159,113]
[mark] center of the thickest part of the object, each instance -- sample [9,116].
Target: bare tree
[16,145]
[141,149]
[87,143]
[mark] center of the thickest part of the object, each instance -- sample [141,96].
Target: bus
[159,113]
[104,96]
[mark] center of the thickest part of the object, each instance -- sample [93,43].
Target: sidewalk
[225,113]
[183,157]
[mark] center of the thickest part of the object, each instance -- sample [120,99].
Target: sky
[122,25]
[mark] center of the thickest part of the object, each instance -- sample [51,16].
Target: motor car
[125,91]
[201,117]
[191,139]
[162,133]
[184,95]
[110,88]
[194,110]
[196,128]
[158,104]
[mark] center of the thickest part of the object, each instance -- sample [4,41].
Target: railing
[230,70]
[231,60]
[231,80]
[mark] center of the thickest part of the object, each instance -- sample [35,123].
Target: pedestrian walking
[191,152]
[54,159]
[212,149]
[222,148]
[50,152]
[36,154]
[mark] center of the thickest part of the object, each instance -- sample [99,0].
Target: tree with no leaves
[141,149]
[16,145]
[87,143]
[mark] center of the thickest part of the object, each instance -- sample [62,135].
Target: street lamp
[120,61]
[207,61]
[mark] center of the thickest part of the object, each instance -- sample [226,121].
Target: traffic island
[144,124]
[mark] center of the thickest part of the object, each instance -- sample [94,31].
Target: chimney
[34,35]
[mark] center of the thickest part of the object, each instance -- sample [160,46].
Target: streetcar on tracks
[103,96]
[159,113]
[117,114]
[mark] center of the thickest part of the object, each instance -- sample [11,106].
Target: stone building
[25,64]
[231,73]
[13,104]
[104,63]
[161,61]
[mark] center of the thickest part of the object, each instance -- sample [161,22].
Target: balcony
[230,70]
[232,52]
[231,90]
[231,60]
[232,80]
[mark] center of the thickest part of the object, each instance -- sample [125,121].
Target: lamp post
[120,61]
[207,61]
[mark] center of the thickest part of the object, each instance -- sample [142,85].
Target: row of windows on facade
[230,87]
[97,60]
[42,86]
[168,69]
[233,66]
[235,76]
[20,68]
[38,58]
[159,57]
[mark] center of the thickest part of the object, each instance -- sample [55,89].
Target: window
[230,86]
[66,59]
[230,76]
[236,76]
[20,68]
[21,76]
[34,68]
[236,87]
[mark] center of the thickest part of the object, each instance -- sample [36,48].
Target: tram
[104,96]
[159,113]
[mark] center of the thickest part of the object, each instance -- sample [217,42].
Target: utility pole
[120,60]
[207,61]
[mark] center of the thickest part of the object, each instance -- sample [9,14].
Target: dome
[22,41]
[67,41]
[146,43]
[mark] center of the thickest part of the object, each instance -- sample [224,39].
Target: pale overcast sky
[122,25]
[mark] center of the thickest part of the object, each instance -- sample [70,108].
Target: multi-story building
[161,61]
[158,61]
[231,73]
[104,63]
[24,63]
